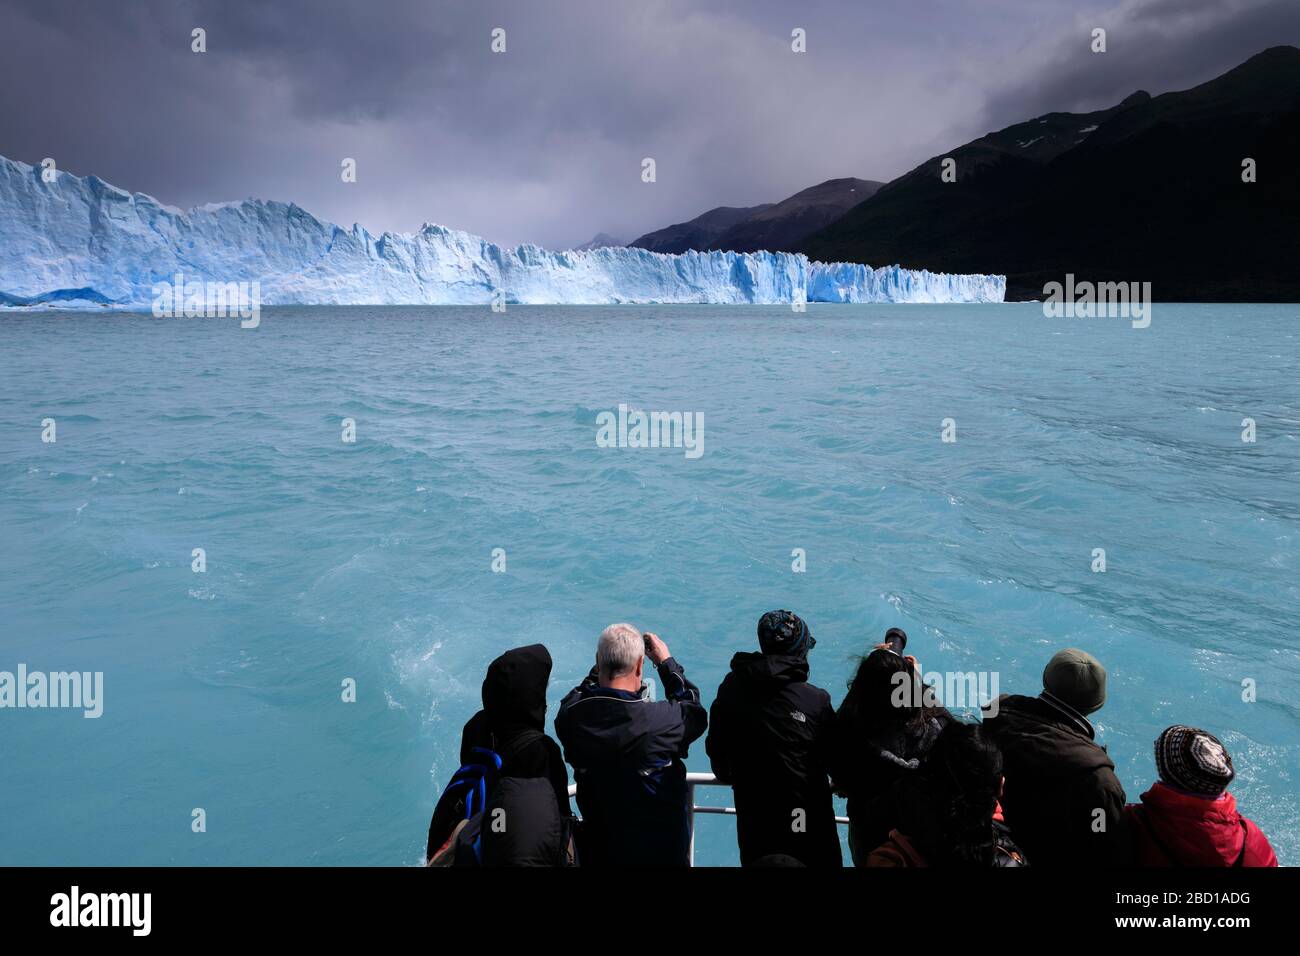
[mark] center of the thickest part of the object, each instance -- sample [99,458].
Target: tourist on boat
[627,753]
[769,737]
[1188,818]
[883,731]
[1062,798]
[530,789]
[948,810]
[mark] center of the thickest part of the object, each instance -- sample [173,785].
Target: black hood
[514,690]
[758,668]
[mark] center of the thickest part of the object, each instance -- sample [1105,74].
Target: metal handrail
[694,780]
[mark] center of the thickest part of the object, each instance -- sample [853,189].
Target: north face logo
[798,715]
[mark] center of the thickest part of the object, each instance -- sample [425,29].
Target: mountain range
[699,233]
[1151,189]
[775,227]
[601,240]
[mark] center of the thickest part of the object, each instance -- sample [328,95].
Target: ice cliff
[80,241]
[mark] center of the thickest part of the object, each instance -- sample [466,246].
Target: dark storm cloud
[1158,46]
[544,143]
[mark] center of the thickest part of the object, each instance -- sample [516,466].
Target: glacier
[80,242]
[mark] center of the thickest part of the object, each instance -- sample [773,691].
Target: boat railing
[694,780]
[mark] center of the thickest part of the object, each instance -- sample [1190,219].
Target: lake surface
[372,560]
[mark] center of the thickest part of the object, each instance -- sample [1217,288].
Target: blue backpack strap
[465,795]
[476,799]
[476,802]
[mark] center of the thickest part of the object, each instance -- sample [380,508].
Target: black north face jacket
[769,737]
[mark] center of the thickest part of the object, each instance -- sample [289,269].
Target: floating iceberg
[82,242]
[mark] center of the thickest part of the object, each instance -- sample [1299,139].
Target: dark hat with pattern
[784,632]
[1193,760]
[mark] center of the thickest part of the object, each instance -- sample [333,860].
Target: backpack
[539,833]
[463,799]
[456,829]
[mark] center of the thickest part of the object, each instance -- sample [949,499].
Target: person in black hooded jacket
[769,736]
[532,786]
[627,753]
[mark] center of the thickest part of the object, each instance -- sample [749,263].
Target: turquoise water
[475,431]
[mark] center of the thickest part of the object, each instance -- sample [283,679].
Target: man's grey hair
[619,649]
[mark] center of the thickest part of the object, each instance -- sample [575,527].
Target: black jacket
[522,825]
[1057,779]
[627,755]
[511,724]
[513,720]
[871,759]
[769,737]
[525,753]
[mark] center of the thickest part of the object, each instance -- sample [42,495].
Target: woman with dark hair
[949,813]
[883,731]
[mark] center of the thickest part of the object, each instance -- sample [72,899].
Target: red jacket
[1173,828]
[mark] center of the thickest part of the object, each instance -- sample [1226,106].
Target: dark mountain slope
[781,227]
[698,233]
[1153,193]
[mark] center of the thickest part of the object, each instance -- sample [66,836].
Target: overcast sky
[544,142]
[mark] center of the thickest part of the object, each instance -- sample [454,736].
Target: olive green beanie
[1076,678]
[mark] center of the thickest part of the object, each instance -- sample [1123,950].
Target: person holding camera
[883,731]
[628,751]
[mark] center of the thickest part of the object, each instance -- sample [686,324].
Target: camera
[896,639]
